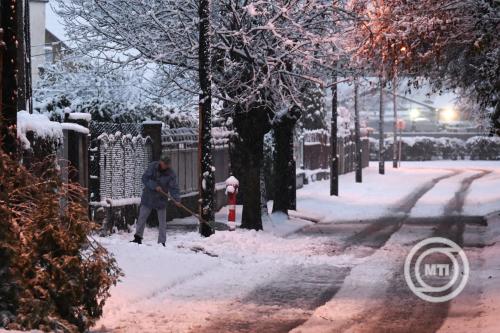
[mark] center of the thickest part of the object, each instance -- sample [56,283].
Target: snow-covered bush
[53,277]
[421,149]
[39,137]
[483,148]
[428,148]
[450,148]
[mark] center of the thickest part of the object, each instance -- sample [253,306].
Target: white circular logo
[448,269]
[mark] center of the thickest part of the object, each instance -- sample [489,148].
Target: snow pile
[249,246]
[39,124]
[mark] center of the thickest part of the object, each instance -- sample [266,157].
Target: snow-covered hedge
[40,127]
[483,148]
[423,148]
[40,137]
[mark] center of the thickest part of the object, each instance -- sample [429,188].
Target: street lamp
[448,114]
[414,115]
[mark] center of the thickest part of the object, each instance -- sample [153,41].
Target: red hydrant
[232,185]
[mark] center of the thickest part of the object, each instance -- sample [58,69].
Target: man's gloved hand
[177,203]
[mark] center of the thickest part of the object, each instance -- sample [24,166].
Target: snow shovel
[219,226]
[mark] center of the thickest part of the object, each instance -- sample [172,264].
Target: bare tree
[262,52]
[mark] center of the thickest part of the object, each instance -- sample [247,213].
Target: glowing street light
[448,114]
[414,114]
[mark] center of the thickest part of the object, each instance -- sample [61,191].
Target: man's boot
[137,239]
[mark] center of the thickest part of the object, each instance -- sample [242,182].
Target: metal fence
[181,144]
[117,164]
[315,152]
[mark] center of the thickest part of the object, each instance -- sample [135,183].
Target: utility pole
[395,124]
[207,179]
[23,57]
[9,72]
[357,134]
[381,149]
[334,164]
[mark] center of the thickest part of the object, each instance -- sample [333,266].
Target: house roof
[53,22]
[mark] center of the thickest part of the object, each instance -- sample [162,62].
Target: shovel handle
[184,207]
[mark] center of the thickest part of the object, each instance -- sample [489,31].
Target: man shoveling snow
[158,179]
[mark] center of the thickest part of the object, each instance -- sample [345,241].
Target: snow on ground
[181,287]
[483,281]
[178,288]
[175,289]
[372,199]
[364,289]
[484,195]
[378,194]
[433,202]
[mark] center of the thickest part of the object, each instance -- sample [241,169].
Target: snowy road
[344,274]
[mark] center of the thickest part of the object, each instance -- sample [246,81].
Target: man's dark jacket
[154,177]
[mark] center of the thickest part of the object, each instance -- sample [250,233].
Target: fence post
[76,150]
[153,130]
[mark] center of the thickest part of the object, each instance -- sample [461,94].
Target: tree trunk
[334,167]
[395,124]
[357,134]
[8,120]
[251,126]
[207,179]
[263,193]
[284,198]
[381,149]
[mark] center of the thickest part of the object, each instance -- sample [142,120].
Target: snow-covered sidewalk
[184,286]
[378,194]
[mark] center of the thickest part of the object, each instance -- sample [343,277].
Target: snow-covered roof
[53,22]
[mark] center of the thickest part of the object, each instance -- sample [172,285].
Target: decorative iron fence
[117,163]
[119,154]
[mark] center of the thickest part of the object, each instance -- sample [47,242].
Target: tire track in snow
[282,304]
[411,200]
[376,234]
[288,301]
[456,204]
[402,311]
